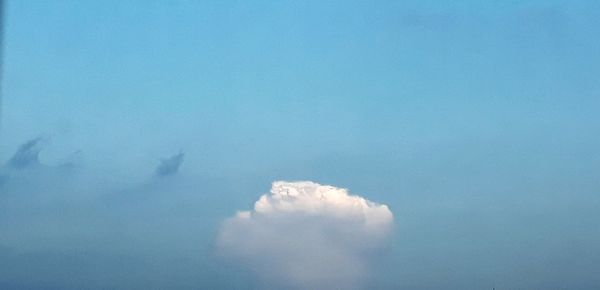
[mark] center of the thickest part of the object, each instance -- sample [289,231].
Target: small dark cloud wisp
[27,155]
[170,166]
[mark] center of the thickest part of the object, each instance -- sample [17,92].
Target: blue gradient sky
[477,122]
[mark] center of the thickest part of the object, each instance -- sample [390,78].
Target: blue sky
[475,121]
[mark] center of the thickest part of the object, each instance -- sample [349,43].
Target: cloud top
[312,199]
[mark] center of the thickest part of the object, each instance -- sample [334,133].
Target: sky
[475,122]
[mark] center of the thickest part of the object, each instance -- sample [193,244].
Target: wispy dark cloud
[27,155]
[169,166]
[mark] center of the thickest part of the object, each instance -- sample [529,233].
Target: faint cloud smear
[170,166]
[304,235]
[73,160]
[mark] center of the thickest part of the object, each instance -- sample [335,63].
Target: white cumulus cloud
[304,235]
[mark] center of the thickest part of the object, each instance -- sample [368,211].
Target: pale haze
[415,145]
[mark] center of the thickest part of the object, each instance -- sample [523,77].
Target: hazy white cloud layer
[307,236]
